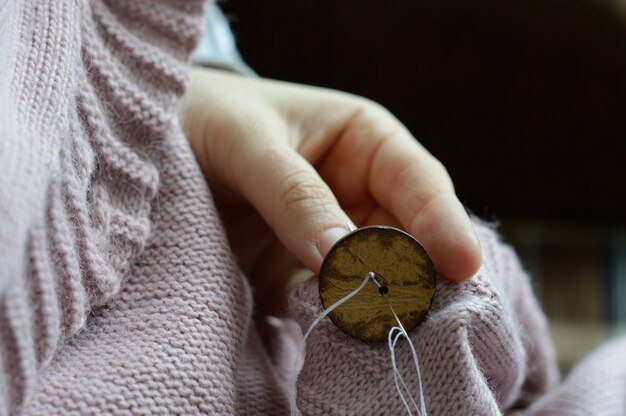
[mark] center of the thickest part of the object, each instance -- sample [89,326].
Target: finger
[381,216]
[416,188]
[293,199]
[370,214]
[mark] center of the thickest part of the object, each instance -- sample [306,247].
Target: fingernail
[328,239]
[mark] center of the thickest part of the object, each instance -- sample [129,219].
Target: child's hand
[308,160]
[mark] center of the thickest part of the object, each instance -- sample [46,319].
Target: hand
[291,165]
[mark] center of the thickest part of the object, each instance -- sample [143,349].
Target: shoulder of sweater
[93,93]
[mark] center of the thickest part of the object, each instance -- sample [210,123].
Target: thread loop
[395,333]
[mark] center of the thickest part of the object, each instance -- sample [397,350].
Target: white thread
[396,372]
[371,276]
[402,332]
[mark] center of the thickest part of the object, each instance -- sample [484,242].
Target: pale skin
[291,166]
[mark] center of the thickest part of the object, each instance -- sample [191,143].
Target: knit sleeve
[483,348]
[91,94]
[596,386]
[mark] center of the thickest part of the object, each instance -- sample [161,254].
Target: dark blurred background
[524,102]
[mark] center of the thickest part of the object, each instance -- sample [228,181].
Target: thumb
[295,202]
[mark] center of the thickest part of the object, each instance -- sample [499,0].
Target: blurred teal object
[217,47]
[617,279]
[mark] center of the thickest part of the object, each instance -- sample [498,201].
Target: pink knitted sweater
[119,293]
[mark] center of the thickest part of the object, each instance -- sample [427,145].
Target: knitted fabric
[119,293]
[483,347]
[88,100]
[597,386]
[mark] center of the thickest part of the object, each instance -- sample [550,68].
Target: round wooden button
[403,269]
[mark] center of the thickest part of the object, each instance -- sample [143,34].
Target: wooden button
[402,267]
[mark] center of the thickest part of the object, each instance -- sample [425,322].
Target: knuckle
[411,175]
[367,105]
[435,166]
[441,173]
[373,121]
[375,110]
[302,191]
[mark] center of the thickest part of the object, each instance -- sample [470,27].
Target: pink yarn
[483,348]
[119,293]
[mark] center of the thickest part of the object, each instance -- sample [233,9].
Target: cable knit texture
[119,293]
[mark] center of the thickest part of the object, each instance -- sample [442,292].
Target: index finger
[415,187]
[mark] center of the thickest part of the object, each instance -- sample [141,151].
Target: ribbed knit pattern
[88,110]
[483,348]
[119,293]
